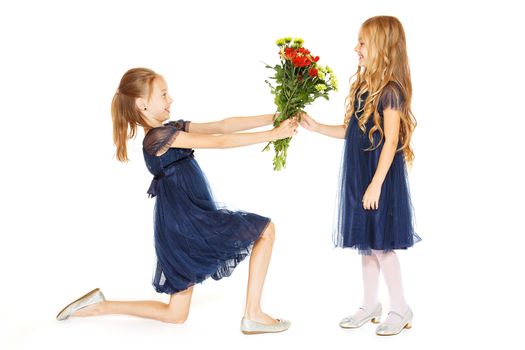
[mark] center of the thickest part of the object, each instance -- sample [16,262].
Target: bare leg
[259,261]
[391,269]
[175,312]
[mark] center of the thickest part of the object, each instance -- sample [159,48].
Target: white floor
[450,309]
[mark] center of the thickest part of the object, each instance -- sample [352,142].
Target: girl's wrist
[316,127]
[376,183]
[268,119]
[273,134]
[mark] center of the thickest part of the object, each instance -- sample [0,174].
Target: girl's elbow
[223,126]
[392,143]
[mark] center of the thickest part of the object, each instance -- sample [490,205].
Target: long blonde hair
[387,62]
[135,83]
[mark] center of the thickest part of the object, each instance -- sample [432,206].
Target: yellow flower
[320,87]
[297,43]
[320,74]
[333,82]
[329,70]
[281,42]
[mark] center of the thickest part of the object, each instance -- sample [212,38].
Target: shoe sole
[262,332]
[82,297]
[407,326]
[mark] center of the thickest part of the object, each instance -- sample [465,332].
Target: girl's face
[362,51]
[158,106]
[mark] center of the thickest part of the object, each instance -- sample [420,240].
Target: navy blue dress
[391,226]
[194,237]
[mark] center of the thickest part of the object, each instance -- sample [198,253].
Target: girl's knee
[269,233]
[381,255]
[176,317]
[369,258]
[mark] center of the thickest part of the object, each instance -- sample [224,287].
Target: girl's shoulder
[156,139]
[392,87]
[391,96]
[179,124]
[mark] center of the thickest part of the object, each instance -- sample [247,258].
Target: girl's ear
[140,103]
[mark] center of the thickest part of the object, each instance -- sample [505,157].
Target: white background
[73,218]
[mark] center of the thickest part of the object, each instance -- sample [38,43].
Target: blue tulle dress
[391,226]
[194,237]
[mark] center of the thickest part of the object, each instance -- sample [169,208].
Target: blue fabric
[194,237]
[391,226]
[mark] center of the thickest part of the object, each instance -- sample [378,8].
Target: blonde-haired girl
[375,213]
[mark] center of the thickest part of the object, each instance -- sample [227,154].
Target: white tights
[388,263]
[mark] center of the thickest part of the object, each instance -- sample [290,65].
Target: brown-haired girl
[194,237]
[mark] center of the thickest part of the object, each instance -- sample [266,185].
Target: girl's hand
[308,122]
[371,197]
[287,128]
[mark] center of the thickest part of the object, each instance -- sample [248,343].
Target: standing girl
[194,237]
[375,212]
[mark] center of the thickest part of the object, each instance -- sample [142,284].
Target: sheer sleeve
[181,124]
[391,97]
[186,127]
[159,140]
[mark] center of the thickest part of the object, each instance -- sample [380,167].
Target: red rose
[312,72]
[301,61]
[290,53]
[303,51]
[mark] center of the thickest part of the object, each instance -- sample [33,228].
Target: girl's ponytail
[135,83]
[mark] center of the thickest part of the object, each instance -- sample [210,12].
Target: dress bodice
[158,154]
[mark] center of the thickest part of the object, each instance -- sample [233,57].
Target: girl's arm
[336,131]
[391,122]
[230,125]
[198,140]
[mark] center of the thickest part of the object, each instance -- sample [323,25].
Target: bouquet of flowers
[299,80]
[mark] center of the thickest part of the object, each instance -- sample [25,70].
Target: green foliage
[298,81]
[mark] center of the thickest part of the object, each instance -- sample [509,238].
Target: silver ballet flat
[405,321]
[252,327]
[355,322]
[93,297]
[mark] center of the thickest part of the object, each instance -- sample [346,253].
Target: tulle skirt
[389,227]
[194,237]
